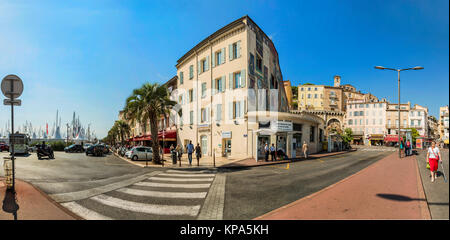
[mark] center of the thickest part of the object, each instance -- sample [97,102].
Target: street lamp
[398,72]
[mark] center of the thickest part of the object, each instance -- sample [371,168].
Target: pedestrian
[198,153]
[179,151]
[408,148]
[305,149]
[272,152]
[266,152]
[433,156]
[190,150]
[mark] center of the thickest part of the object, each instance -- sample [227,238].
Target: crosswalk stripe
[181,179]
[189,172]
[84,212]
[145,193]
[172,185]
[147,208]
[185,175]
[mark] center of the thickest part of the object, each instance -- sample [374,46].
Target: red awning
[168,136]
[392,138]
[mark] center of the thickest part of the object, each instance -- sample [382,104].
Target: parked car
[32,148]
[95,150]
[74,148]
[85,146]
[141,153]
[4,147]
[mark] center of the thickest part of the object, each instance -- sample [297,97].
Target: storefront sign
[280,126]
[226,134]
[245,135]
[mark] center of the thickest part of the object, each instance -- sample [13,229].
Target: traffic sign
[12,86]
[15,102]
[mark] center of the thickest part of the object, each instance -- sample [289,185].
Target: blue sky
[87,56]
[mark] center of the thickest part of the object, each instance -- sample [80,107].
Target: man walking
[408,148]
[190,150]
[305,149]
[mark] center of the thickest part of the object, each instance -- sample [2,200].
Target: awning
[168,136]
[392,138]
[376,137]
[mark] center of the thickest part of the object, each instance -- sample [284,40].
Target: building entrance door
[204,144]
[226,147]
[262,140]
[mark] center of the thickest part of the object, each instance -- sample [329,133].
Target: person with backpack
[198,153]
[433,157]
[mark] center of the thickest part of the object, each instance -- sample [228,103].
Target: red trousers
[433,164]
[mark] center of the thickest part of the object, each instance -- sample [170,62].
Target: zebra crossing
[173,194]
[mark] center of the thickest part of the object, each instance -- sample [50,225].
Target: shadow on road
[396,197]
[10,203]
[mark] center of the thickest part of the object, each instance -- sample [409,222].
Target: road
[254,192]
[110,188]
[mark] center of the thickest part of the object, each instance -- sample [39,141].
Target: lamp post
[398,74]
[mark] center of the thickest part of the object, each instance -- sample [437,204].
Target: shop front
[358,139]
[278,133]
[391,140]
[376,139]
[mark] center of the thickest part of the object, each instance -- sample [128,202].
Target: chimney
[337,81]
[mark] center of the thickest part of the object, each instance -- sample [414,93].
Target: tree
[414,134]
[149,102]
[123,129]
[347,137]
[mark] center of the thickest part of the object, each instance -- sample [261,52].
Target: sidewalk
[33,204]
[388,189]
[223,162]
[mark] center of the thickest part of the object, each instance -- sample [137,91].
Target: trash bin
[174,157]
[7,165]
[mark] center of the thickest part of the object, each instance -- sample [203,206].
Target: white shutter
[213,87]
[238,49]
[194,92]
[208,114]
[207,63]
[223,55]
[243,78]
[230,51]
[230,81]
[218,112]
[230,110]
[198,68]
[213,60]
[223,83]
[242,108]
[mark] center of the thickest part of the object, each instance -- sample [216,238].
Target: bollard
[214,157]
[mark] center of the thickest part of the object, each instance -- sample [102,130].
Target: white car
[140,153]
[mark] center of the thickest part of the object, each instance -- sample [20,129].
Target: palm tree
[113,133]
[123,129]
[149,102]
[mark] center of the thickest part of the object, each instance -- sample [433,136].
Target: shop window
[312,134]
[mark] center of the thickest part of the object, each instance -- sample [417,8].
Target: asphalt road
[254,192]
[437,193]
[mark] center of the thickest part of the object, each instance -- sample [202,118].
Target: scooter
[45,151]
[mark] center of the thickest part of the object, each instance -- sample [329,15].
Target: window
[315,95]
[219,85]
[367,105]
[191,72]
[309,95]
[203,66]
[350,122]
[321,96]
[181,78]
[301,89]
[218,112]
[389,122]
[360,122]
[350,114]
[234,50]
[259,64]
[302,95]
[219,56]
[237,109]
[203,90]
[350,106]
[180,99]
[367,121]
[361,105]
[180,114]
[356,114]
[191,117]
[237,79]
[315,89]
[309,89]
[404,123]
[311,134]
[418,114]
[361,113]
[419,122]
[191,95]
[412,122]
[204,115]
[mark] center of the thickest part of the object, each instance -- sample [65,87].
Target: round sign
[12,86]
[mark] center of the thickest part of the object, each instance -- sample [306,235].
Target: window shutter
[198,68]
[242,109]
[223,83]
[208,114]
[243,78]
[230,81]
[199,117]
[238,45]
[213,60]
[207,63]
[230,51]
[230,110]
[218,112]
[223,55]
[213,87]
[194,92]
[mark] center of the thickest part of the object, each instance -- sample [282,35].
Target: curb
[425,208]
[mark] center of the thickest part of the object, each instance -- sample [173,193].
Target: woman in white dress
[433,157]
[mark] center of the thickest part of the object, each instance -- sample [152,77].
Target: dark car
[4,147]
[95,150]
[74,148]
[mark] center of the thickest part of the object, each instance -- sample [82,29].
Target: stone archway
[333,126]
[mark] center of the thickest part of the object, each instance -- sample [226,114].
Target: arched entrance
[333,126]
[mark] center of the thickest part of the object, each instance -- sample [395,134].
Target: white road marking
[138,192]
[147,208]
[186,175]
[189,172]
[172,185]
[84,212]
[181,179]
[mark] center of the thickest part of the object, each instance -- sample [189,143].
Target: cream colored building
[444,124]
[392,120]
[418,116]
[232,100]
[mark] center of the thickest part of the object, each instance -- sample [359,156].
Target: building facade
[231,98]
[444,124]
[367,121]
[418,116]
